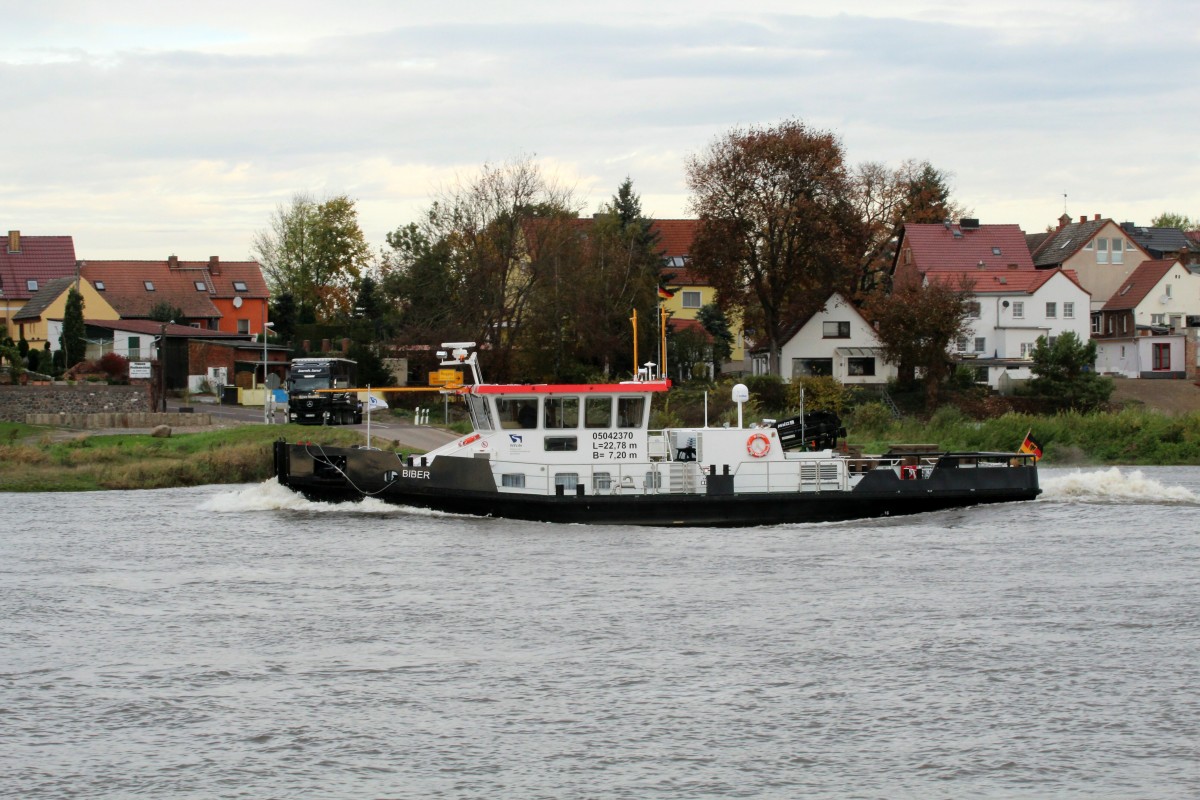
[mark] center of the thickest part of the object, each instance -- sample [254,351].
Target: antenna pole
[633,319]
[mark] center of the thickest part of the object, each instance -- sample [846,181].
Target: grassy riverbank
[31,460]
[1132,436]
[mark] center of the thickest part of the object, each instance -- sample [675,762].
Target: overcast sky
[145,129]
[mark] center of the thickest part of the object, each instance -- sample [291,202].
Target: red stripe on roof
[633,387]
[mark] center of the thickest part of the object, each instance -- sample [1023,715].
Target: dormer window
[149,285]
[201,286]
[99,286]
[31,285]
[239,286]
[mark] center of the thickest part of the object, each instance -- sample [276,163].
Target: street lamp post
[162,362]
[268,417]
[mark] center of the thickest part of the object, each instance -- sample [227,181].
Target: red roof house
[27,264]
[938,247]
[215,295]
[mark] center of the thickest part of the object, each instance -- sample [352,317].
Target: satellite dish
[237,302]
[272,381]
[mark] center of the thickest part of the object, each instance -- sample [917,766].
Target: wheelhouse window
[631,412]
[519,412]
[835,330]
[562,412]
[597,412]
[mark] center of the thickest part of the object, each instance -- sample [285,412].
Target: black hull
[465,486]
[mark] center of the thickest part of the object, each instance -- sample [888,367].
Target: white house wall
[1134,358]
[1004,332]
[810,342]
[1176,295]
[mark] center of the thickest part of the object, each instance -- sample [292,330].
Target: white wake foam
[270,495]
[1112,485]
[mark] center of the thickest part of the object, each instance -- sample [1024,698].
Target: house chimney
[14,241]
[214,265]
[1097,218]
[1083,218]
[173,262]
[1064,221]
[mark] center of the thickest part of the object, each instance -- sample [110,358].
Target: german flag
[1031,447]
[665,293]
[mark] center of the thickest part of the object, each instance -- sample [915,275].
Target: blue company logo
[516,438]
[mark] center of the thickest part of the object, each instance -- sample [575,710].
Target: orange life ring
[758,445]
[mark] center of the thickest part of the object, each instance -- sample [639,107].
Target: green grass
[1133,436]
[31,462]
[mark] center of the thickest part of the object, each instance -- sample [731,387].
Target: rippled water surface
[240,642]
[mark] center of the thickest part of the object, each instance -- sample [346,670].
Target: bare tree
[885,198]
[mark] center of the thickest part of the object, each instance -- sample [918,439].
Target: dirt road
[1169,397]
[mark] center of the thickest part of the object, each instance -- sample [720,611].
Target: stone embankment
[17,402]
[140,419]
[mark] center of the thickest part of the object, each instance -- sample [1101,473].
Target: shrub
[115,366]
[821,393]
[769,393]
[870,418]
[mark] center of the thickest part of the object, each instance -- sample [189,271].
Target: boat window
[518,412]
[597,412]
[653,480]
[631,412]
[601,480]
[562,412]
[561,443]
[567,480]
[513,480]
[481,415]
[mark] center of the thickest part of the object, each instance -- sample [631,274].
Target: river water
[237,641]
